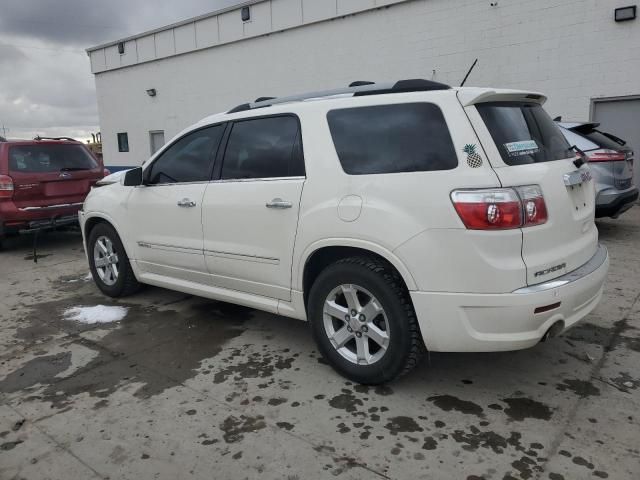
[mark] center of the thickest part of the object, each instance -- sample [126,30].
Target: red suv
[43,183]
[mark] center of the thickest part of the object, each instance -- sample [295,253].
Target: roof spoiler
[587,127]
[473,96]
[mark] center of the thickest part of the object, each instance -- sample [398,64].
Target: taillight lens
[606,155]
[6,186]
[494,209]
[106,172]
[534,210]
[500,208]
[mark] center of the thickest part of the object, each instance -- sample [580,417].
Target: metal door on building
[156,140]
[621,117]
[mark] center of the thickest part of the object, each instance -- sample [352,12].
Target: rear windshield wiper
[74,169]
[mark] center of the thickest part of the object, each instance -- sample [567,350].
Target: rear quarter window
[524,133]
[408,137]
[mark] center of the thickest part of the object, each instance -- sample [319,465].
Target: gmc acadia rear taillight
[500,208]
[533,206]
[605,155]
[6,186]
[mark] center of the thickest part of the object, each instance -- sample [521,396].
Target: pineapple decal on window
[474,160]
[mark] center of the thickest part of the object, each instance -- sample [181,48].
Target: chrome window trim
[264,179]
[588,268]
[229,180]
[199,182]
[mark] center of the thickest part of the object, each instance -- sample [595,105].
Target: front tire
[363,321]
[109,263]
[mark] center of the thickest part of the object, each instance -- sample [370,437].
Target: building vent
[246,14]
[121,48]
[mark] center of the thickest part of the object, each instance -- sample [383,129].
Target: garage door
[622,118]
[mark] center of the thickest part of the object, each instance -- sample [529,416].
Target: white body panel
[249,247]
[466,285]
[164,238]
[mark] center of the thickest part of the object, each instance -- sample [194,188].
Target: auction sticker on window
[525,147]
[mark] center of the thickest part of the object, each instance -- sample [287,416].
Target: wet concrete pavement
[184,387]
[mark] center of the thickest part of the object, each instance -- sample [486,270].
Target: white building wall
[572,51]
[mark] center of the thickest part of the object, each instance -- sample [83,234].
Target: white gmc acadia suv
[395,218]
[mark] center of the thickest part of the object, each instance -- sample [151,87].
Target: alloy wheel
[356,324]
[105,260]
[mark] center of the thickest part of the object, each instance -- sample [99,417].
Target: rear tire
[109,263]
[363,321]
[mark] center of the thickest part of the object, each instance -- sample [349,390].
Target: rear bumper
[15,220]
[612,202]
[466,322]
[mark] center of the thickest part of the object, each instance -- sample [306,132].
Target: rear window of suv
[601,139]
[524,133]
[407,137]
[50,158]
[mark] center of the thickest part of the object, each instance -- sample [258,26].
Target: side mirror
[133,177]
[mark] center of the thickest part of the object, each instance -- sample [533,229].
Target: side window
[187,160]
[264,148]
[407,137]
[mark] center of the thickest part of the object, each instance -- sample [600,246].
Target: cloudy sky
[46,86]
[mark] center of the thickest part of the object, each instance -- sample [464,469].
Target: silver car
[611,162]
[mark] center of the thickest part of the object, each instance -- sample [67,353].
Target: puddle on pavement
[159,349]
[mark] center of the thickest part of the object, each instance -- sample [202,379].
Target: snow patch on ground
[97,314]
[86,278]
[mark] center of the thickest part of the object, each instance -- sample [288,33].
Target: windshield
[524,133]
[50,158]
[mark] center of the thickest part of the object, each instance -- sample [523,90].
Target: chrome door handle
[279,203]
[186,202]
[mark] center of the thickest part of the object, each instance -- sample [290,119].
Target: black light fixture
[152,92]
[246,14]
[624,14]
[121,48]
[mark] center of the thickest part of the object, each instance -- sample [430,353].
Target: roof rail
[363,88]
[69,139]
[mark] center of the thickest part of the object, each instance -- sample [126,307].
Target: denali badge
[586,175]
[550,270]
